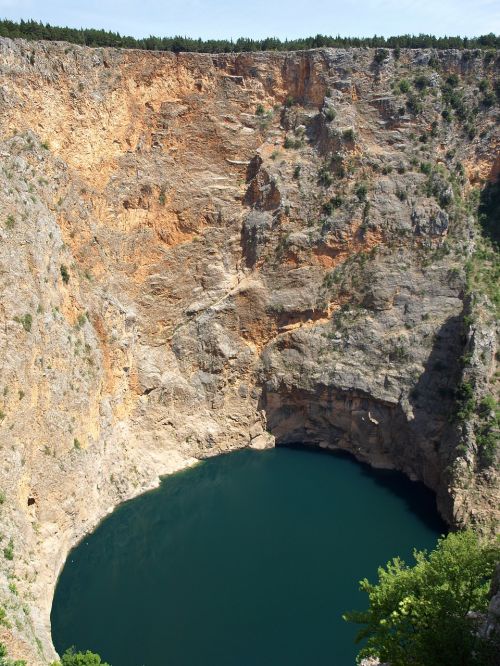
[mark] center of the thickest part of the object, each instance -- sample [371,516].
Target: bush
[421,82]
[446,114]
[489,99]
[259,111]
[404,86]
[429,613]
[348,135]
[64,273]
[330,114]
[8,551]
[10,222]
[26,321]
[4,661]
[484,84]
[72,658]
[381,55]
[361,191]
[292,143]
[330,206]
[465,403]
[414,105]
[325,178]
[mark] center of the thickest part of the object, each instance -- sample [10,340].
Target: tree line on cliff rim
[34,30]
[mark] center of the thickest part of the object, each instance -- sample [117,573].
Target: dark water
[245,560]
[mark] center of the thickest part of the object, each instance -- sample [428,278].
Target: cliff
[201,252]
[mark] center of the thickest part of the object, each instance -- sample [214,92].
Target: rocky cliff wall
[204,252]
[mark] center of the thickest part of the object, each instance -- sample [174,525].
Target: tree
[4,661]
[72,658]
[430,613]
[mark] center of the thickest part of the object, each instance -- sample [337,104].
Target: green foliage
[26,321]
[72,658]
[330,206]
[465,403]
[414,104]
[381,55]
[446,115]
[90,37]
[259,111]
[361,191]
[64,273]
[296,171]
[81,319]
[455,99]
[487,430]
[10,222]
[348,135]
[4,661]
[330,114]
[2,501]
[292,143]
[404,86]
[421,82]
[325,178]
[489,99]
[399,353]
[8,551]
[425,614]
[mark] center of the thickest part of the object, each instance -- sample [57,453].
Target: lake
[247,559]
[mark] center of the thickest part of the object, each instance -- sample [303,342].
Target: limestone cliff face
[199,253]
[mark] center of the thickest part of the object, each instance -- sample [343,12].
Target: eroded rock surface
[205,252]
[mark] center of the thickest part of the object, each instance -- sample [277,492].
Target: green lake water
[247,559]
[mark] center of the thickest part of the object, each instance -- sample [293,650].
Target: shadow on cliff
[417,440]
[489,207]
[433,397]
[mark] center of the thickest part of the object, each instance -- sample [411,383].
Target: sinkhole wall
[202,252]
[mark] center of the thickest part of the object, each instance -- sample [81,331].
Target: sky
[227,19]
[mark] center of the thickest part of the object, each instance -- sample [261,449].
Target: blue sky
[264,18]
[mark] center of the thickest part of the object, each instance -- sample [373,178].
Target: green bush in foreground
[4,661]
[427,613]
[72,658]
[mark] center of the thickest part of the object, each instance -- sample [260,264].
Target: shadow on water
[420,500]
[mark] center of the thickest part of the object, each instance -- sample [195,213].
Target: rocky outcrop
[205,252]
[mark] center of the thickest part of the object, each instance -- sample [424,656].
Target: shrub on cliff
[72,658]
[431,613]
[5,661]
[381,55]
